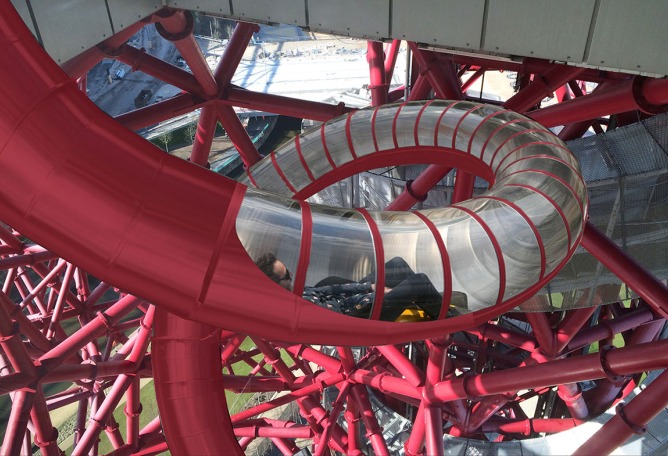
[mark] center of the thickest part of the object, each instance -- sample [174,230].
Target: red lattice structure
[95,216]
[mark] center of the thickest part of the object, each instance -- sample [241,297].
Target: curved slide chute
[166,230]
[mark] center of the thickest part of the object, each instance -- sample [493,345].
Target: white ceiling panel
[291,12]
[64,33]
[126,12]
[631,35]
[367,19]
[219,7]
[455,22]
[539,28]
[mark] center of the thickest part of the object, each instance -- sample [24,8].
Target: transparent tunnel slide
[489,250]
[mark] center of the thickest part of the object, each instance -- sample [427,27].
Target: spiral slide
[184,238]
[67,156]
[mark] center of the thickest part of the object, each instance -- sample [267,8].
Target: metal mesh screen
[626,171]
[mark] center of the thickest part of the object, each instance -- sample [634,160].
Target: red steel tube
[13,243]
[238,135]
[142,61]
[283,105]
[177,26]
[30,258]
[406,368]
[607,328]
[391,59]
[541,86]
[463,190]
[626,268]
[234,52]
[417,190]
[623,361]
[571,326]
[17,422]
[433,418]
[630,418]
[441,75]
[158,112]
[630,95]
[528,427]
[543,332]
[378,84]
[206,129]
[45,433]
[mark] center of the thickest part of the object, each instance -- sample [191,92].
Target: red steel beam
[283,105]
[177,27]
[378,84]
[237,133]
[234,52]
[206,129]
[541,86]
[441,75]
[634,94]
[619,362]
[142,61]
[630,419]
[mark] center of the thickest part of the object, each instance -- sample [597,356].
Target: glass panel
[497,140]
[529,150]
[450,120]
[266,177]
[488,127]
[361,132]
[413,267]
[314,153]
[405,126]
[337,142]
[555,190]
[469,123]
[520,140]
[549,224]
[519,246]
[270,224]
[428,121]
[383,130]
[553,167]
[475,268]
[292,167]
[341,253]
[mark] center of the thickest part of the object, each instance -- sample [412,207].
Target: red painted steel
[377,73]
[185,415]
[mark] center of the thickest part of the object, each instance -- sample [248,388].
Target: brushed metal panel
[216,7]
[368,19]
[69,27]
[451,23]
[126,12]
[21,7]
[539,28]
[291,12]
[631,35]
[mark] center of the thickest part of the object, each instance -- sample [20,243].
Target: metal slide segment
[213,282]
[496,247]
[65,167]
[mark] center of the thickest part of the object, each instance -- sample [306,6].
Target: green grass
[235,402]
